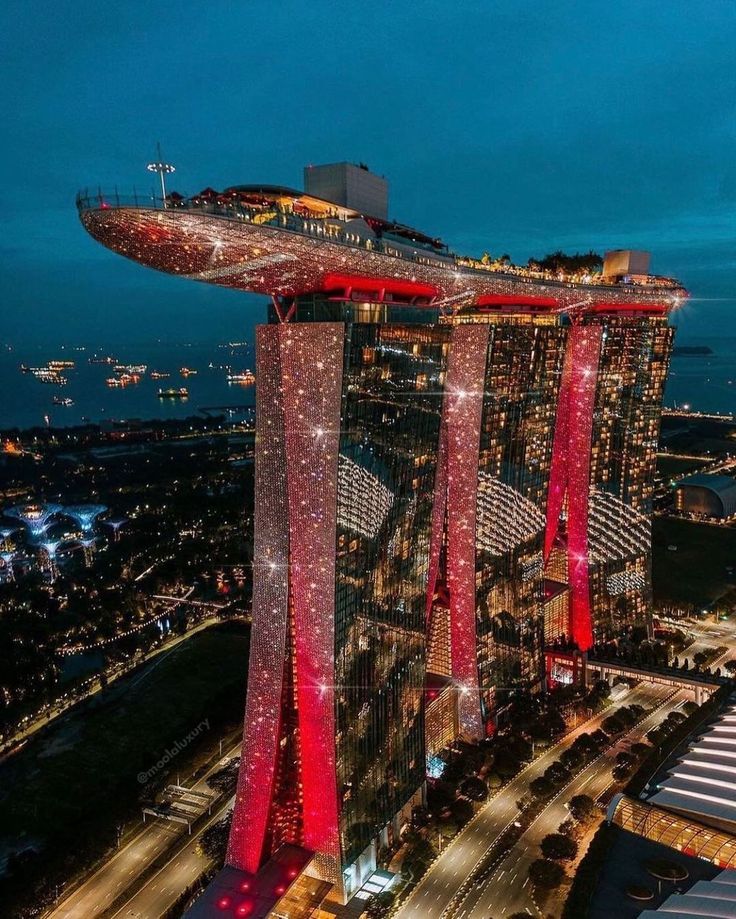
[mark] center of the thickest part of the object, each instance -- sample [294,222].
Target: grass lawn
[696,572]
[674,467]
[70,786]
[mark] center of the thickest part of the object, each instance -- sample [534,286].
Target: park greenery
[584,749]
[545,873]
[75,787]
[587,873]
[559,847]
[185,514]
[585,262]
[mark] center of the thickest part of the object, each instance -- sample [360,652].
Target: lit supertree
[88,545]
[116,526]
[5,534]
[6,566]
[84,514]
[48,561]
[34,517]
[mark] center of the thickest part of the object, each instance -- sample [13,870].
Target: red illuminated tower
[602,477]
[405,404]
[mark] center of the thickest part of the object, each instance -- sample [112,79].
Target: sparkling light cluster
[616,530]
[35,517]
[312,433]
[585,346]
[505,517]
[463,411]
[229,250]
[364,501]
[297,431]
[270,614]
[622,582]
[84,514]
[570,473]
[437,537]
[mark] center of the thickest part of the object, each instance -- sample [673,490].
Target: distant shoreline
[691,351]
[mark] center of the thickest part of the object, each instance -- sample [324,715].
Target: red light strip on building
[585,342]
[350,286]
[570,472]
[270,615]
[463,410]
[312,368]
[558,468]
[438,520]
[647,309]
[540,304]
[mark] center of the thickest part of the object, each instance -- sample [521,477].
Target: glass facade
[502,388]
[633,367]
[391,407]
[405,457]
[350,404]
[674,830]
[602,475]
[521,383]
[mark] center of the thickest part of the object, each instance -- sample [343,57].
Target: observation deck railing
[327,228]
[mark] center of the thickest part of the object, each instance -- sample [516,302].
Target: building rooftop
[710,495]
[702,782]
[234,893]
[722,484]
[714,899]
[626,864]
[283,242]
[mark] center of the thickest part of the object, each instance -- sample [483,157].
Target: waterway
[27,402]
[704,382]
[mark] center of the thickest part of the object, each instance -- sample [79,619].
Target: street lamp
[162,169]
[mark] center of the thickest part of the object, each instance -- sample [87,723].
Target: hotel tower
[454,467]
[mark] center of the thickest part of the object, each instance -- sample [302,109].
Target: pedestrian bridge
[703,685]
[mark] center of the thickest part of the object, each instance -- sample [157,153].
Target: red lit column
[463,411]
[312,367]
[585,344]
[558,468]
[570,470]
[270,614]
[438,520]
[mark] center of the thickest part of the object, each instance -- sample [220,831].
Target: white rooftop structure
[714,899]
[703,781]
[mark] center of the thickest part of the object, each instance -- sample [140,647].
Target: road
[508,889]
[431,896]
[434,893]
[166,886]
[125,867]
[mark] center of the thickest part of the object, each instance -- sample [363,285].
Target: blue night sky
[518,127]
